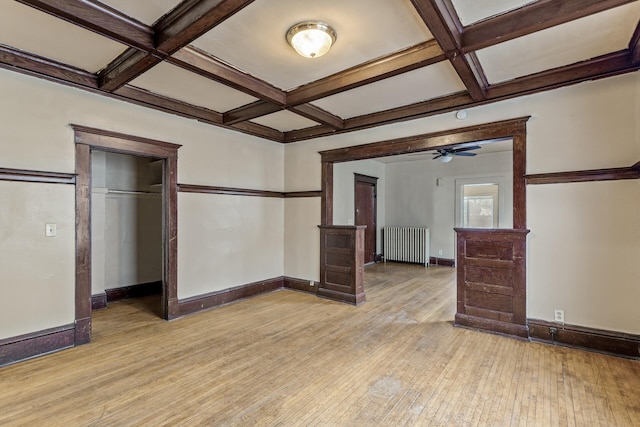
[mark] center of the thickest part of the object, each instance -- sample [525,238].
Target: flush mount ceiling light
[311,39]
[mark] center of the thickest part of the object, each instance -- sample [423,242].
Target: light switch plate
[50,230]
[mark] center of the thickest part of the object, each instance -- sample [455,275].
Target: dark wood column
[492,280]
[342,263]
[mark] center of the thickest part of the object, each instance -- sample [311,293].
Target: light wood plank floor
[288,358]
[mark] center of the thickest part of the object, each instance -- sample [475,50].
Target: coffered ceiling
[227,62]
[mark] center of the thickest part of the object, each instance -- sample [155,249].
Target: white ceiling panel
[28,29]
[145,11]
[424,83]
[254,38]
[565,44]
[175,82]
[284,121]
[470,11]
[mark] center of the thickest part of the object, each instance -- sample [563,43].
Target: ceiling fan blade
[437,156]
[464,154]
[458,150]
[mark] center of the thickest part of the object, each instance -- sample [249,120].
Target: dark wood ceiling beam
[408,112]
[145,98]
[178,28]
[250,111]
[191,19]
[400,62]
[37,66]
[444,24]
[33,65]
[634,46]
[202,63]
[98,18]
[126,67]
[471,74]
[319,115]
[441,22]
[604,66]
[415,57]
[528,19]
[608,65]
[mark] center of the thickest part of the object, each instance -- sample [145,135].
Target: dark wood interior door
[365,212]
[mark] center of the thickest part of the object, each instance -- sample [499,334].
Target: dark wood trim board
[215,299]
[300,285]
[99,301]
[134,291]
[616,343]
[231,191]
[611,174]
[36,344]
[26,175]
[444,262]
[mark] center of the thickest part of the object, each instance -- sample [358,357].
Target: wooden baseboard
[215,299]
[342,296]
[445,262]
[616,343]
[134,291]
[99,301]
[36,344]
[491,325]
[300,285]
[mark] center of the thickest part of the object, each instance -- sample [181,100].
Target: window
[480,205]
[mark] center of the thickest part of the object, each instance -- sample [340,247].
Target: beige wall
[35,134]
[37,273]
[226,241]
[585,253]
[587,126]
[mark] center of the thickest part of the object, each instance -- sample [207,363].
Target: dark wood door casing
[365,212]
[88,139]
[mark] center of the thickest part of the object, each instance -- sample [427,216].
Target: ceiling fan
[446,154]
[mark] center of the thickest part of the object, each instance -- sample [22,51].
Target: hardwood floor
[288,358]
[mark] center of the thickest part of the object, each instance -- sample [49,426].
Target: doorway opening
[165,156]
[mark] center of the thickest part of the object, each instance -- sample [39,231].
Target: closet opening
[126,229]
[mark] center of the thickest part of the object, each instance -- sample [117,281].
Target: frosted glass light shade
[311,39]
[445,158]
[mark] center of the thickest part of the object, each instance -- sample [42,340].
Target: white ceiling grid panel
[565,44]
[28,29]
[470,11]
[175,82]
[253,40]
[419,85]
[145,11]
[285,121]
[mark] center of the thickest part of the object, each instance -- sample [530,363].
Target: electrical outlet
[558,315]
[440,252]
[50,230]
[311,284]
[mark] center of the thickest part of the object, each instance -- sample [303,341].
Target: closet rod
[132,192]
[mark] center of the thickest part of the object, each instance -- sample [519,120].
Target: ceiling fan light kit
[445,155]
[311,39]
